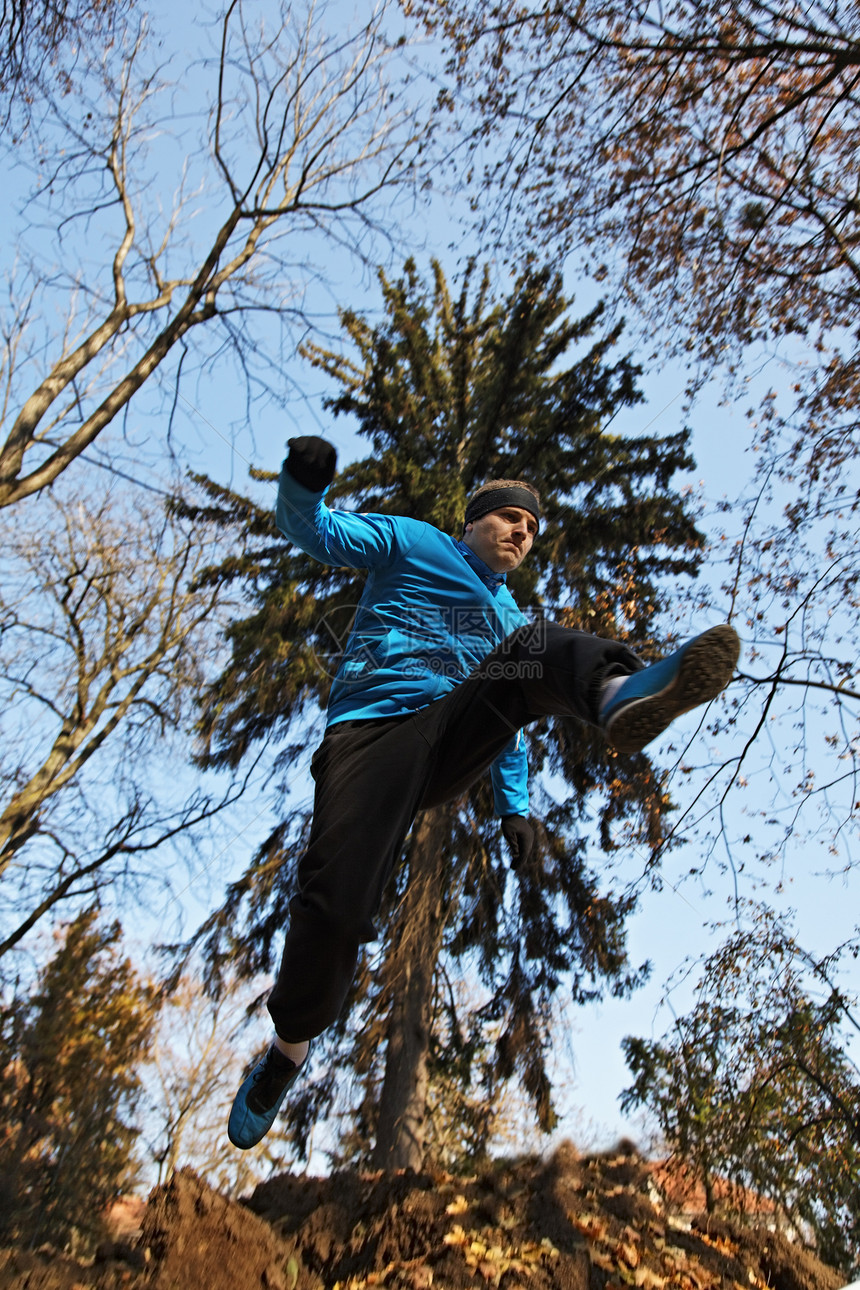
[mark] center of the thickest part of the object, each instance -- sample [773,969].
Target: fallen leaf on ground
[648,1279]
[602,1260]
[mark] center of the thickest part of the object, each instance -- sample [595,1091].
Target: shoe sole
[704,672]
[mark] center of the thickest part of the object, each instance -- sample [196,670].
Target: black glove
[520,837]
[311,462]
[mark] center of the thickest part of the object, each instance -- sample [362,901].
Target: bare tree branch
[329,146]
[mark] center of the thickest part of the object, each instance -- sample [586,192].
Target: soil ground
[567,1223]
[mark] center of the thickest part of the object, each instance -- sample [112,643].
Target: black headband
[496,498]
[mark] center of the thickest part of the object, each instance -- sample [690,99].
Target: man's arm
[332,537]
[509,774]
[510,778]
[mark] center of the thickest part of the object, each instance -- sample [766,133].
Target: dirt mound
[194,1237]
[570,1223]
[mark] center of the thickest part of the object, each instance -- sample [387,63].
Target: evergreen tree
[451,392]
[755,1085]
[68,1088]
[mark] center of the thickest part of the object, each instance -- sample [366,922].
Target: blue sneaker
[260,1098]
[648,701]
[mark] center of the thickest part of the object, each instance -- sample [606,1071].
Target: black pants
[373,777]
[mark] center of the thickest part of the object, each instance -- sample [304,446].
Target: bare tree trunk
[417,936]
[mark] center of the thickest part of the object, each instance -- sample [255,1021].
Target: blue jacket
[430,611]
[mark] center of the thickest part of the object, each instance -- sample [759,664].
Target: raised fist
[311,462]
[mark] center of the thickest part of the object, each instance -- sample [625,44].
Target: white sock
[609,689]
[296,1052]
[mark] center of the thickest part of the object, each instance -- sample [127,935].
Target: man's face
[503,538]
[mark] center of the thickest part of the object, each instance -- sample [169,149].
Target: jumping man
[440,674]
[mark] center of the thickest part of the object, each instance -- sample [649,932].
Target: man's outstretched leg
[636,709]
[559,671]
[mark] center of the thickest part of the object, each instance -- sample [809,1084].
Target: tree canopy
[42,46]
[756,1085]
[703,156]
[69,1086]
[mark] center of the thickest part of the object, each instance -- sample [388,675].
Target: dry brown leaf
[648,1279]
[699,1277]
[630,1254]
[589,1225]
[602,1260]
[721,1243]
[459,1205]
